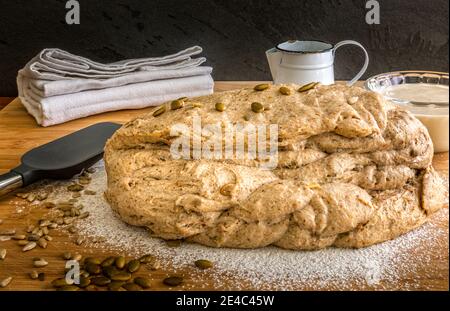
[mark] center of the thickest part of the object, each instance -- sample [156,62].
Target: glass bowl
[424,93]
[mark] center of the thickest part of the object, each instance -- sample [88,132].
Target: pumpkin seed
[89,192]
[57,283]
[42,243]
[173,243]
[173,281]
[220,107]
[5,282]
[90,170]
[67,256]
[203,264]
[29,246]
[197,105]
[115,285]
[19,237]
[120,262]
[91,288]
[133,265]
[94,260]
[3,253]
[41,276]
[40,263]
[84,274]
[257,107]
[109,271]
[75,187]
[108,262]
[285,90]
[176,104]
[121,276]
[131,287]
[69,288]
[307,87]
[100,281]
[151,261]
[92,268]
[261,87]
[22,242]
[142,282]
[147,258]
[84,282]
[159,111]
[34,275]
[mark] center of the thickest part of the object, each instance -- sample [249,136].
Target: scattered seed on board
[57,283]
[173,280]
[33,237]
[5,282]
[92,268]
[3,253]
[203,264]
[68,288]
[84,282]
[31,197]
[42,243]
[100,281]
[45,231]
[133,265]
[116,285]
[22,242]
[29,246]
[48,237]
[151,261]
[8,232]
[120,262]
[121,276]
[44,223]
[34,275]
[176,104]
[41,276]
[19,237]
[142,282]
[40,263]
[108,262]
[132,287]
[261,87]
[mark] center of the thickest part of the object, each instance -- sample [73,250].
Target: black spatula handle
[10,182]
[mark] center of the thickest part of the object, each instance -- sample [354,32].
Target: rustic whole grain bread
[351,171]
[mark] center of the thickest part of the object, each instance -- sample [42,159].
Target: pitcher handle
[366,61]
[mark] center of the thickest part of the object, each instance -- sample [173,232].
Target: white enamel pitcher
[303,62]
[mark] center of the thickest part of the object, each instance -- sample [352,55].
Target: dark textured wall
[233,33]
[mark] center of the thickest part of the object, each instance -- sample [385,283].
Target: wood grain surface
[20,133]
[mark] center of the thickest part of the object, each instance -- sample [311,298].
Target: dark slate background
[233,33]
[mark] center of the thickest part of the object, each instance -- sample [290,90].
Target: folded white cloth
[57,86]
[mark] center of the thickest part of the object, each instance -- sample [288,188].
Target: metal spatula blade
[61,158]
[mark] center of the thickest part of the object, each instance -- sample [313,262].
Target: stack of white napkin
[56,86]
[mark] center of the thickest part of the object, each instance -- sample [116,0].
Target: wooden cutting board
[20,133]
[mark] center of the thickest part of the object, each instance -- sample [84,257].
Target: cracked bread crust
[352,171]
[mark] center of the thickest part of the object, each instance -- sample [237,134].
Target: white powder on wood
[381,266]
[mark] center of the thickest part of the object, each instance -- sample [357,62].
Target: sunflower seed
[45,230]
[203,264]
[40,263]
[89,192]
[220,107]
[257,107]
[173,281]
[5,282]
[8,232]
[48,238]
[22,242]
[33,237]
[142,282]
[42,243]
[41,276]
[307,87]
[19,237]
[29,246]
[22,195]
[2,253]
[159,111]
[34,275]
[67,256]
[44,223]
[285,90]
[261,87]
[68,220]
[133,265]
[31,197]
[53,225]
[30,228]
[84,215]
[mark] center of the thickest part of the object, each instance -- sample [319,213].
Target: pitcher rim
[306,52]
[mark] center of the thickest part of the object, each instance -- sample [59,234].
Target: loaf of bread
[350,170]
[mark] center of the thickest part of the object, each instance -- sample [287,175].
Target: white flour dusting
[378,266]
